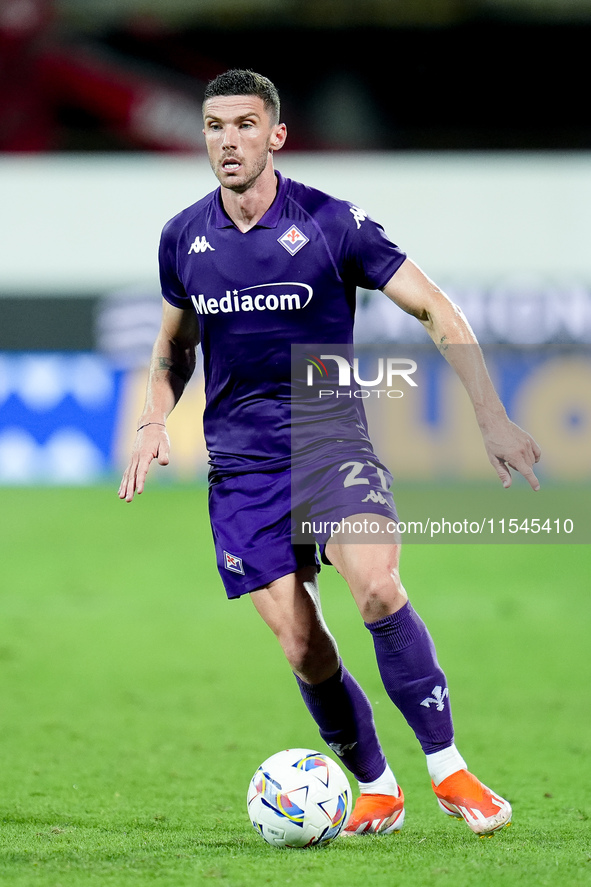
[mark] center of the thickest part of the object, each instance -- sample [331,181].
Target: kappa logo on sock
[438,698]
[340,749]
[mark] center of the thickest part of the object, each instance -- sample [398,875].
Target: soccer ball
[299,798]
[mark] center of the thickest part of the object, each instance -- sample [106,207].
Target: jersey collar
[270,218]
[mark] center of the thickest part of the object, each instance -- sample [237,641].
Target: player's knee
[380,596]
[313,658]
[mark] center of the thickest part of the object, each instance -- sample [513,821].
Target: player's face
[240,139]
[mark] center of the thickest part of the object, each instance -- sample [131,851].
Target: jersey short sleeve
[371,258]
[172,287]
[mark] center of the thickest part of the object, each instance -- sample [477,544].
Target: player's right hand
[151,442]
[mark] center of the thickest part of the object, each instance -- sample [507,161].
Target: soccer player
[224,262]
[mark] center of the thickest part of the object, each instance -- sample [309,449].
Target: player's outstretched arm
[171,367]
[507,445]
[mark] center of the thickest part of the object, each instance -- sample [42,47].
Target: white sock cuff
[442,764]
[384,785]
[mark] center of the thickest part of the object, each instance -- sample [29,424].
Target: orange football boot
[376,815]
[465,797]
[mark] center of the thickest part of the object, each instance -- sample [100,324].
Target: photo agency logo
[387,375]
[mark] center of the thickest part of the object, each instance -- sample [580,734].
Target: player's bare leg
[291,607]
[370,568]
[411,673]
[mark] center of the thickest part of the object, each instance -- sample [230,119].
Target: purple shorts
[266,525]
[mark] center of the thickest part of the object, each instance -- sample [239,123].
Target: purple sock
[412,677]
[345,720]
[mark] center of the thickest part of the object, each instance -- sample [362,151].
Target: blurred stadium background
[462,125]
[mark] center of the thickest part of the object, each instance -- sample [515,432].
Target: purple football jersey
[290,279]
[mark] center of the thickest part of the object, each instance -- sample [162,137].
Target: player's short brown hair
[244,82]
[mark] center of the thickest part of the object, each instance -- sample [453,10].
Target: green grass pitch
[136,703]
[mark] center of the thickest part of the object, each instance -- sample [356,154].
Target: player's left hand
[509,446]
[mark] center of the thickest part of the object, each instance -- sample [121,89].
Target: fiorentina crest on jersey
[293,240]
[234,563]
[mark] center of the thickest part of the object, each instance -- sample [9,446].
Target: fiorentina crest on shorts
[233,563]
[293,240]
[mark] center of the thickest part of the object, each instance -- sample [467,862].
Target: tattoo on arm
[443,344]
[165,363]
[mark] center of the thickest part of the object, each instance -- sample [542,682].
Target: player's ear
[278,137]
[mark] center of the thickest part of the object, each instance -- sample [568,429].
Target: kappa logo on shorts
[374,496]
[293,240]
[233,563]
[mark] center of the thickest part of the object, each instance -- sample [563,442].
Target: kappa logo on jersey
[358,214]
[233,563]
[286,296]
[293,240]
[200,245]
